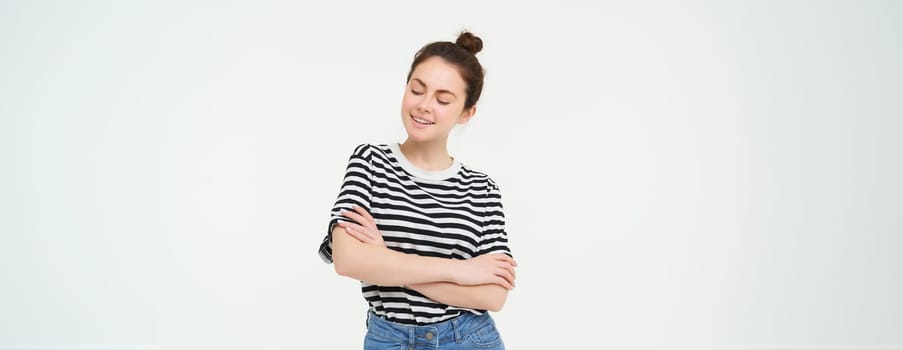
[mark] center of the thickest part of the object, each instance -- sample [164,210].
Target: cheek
[409,101]
[451,111]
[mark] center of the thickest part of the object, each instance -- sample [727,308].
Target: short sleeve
[494,238]
[355,190]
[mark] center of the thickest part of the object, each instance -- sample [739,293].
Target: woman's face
[434,101]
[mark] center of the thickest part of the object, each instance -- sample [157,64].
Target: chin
[417,137]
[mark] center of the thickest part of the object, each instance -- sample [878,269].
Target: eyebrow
[438,91]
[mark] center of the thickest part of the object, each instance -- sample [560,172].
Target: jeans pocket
[487,337]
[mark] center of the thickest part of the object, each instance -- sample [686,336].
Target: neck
[427,155]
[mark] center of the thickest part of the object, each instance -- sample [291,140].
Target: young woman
[424,233]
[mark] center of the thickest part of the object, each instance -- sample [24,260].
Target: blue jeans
[467,331]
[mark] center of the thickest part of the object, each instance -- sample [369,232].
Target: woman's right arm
[377,264]
[382,266]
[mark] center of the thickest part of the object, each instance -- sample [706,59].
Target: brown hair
[462,54]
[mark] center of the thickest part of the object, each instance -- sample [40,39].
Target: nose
[423,106]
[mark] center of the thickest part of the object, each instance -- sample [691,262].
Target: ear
[467,114]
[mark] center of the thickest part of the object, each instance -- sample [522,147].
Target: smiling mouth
[421,121]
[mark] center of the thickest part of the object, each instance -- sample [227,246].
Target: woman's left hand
[364,227]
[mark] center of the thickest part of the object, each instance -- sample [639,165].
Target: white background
[696,175]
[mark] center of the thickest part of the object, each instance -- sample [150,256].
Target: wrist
[450,271]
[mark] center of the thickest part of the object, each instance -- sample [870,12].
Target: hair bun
[470,42]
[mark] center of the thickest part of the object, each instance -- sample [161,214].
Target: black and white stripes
[454,213]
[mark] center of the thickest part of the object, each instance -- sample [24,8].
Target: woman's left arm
[484,297]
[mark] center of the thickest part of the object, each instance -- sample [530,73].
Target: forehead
[439,75]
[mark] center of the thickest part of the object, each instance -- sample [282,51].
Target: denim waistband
[450,331]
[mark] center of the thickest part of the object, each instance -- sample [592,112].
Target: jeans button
[429,336]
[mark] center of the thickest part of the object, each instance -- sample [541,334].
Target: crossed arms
[359,252]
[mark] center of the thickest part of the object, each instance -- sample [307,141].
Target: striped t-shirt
[454,213]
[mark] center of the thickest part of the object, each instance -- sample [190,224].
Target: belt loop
[412,337]
[367,321]
[456,329]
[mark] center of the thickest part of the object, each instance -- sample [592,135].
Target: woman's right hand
[496,268]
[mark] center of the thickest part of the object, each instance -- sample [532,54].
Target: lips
[421,121]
